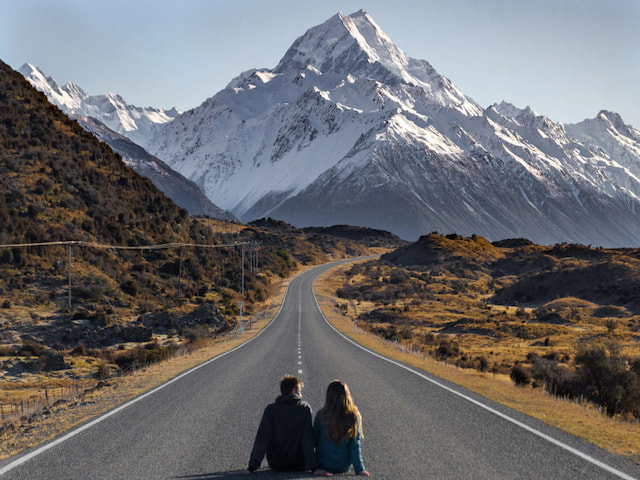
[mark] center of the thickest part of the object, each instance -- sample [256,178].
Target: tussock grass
[578,418]
[119,390]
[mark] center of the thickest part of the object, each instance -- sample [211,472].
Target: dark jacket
[285,435]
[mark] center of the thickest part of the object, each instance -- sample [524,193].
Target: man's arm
[308,442]
[261,442]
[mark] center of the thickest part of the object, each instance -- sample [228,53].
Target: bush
[483,363]
[196,334]
[32,348]
[447,349]
[610,380]
[79,350]
[131,359]
[520,375]
[557,380]
[102,371]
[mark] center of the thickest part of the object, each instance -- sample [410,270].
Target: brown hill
[531,275]
[58,183]
[435,249]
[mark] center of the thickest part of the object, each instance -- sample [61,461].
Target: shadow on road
[236,474]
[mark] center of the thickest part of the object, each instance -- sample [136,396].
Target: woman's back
[336,457]
[337,432]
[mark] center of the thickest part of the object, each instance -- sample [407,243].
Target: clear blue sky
[566,59]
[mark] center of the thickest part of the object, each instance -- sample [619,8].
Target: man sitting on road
[285,433]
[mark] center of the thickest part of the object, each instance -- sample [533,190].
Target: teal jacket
[336,458]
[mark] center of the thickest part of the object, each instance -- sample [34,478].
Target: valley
[137,244]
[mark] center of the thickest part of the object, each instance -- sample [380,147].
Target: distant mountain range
[105,116]
[347,129]
[136,123]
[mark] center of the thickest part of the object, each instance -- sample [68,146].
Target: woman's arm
[355,451]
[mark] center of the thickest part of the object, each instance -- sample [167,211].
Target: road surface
[201,425]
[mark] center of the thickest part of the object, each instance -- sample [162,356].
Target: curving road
[201,425]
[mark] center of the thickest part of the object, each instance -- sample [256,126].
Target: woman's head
[338,396]
[342,415]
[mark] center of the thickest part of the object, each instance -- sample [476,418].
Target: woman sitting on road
[338,433]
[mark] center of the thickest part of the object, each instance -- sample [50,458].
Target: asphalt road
[201,425]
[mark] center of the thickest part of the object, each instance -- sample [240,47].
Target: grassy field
[578,418]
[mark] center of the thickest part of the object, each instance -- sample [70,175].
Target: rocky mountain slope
[177,187]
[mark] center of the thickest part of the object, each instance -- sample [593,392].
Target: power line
[160,246]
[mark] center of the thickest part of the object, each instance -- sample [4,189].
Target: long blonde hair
[340,413]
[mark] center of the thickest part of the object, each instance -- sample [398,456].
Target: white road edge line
[524,426]
[86,426]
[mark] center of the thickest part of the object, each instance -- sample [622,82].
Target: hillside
[563,317]
[179,189]
[119,266]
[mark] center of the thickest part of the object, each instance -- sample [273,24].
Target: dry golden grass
[582,420]
[222,226]
[579,419]
[119,390]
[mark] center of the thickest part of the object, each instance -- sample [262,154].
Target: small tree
[520,375]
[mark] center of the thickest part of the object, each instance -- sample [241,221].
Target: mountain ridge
[349,129]
[136,123]
[178,188]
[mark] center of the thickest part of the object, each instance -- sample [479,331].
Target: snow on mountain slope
[348,129]
[136,123]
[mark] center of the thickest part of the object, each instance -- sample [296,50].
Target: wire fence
[162,246]
[47,399]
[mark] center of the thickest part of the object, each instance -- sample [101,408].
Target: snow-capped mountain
[136,123]
[348,129]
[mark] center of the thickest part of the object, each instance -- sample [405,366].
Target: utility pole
[242,288]
[180,276]
[69,282]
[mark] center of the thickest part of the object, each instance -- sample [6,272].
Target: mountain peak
[355,46]
[342,44]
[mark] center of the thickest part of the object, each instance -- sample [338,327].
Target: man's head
[289,383]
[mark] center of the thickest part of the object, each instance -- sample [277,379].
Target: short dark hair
[288,383]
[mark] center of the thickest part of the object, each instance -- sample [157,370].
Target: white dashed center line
[299,343]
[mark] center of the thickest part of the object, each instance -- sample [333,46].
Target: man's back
[285,435]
